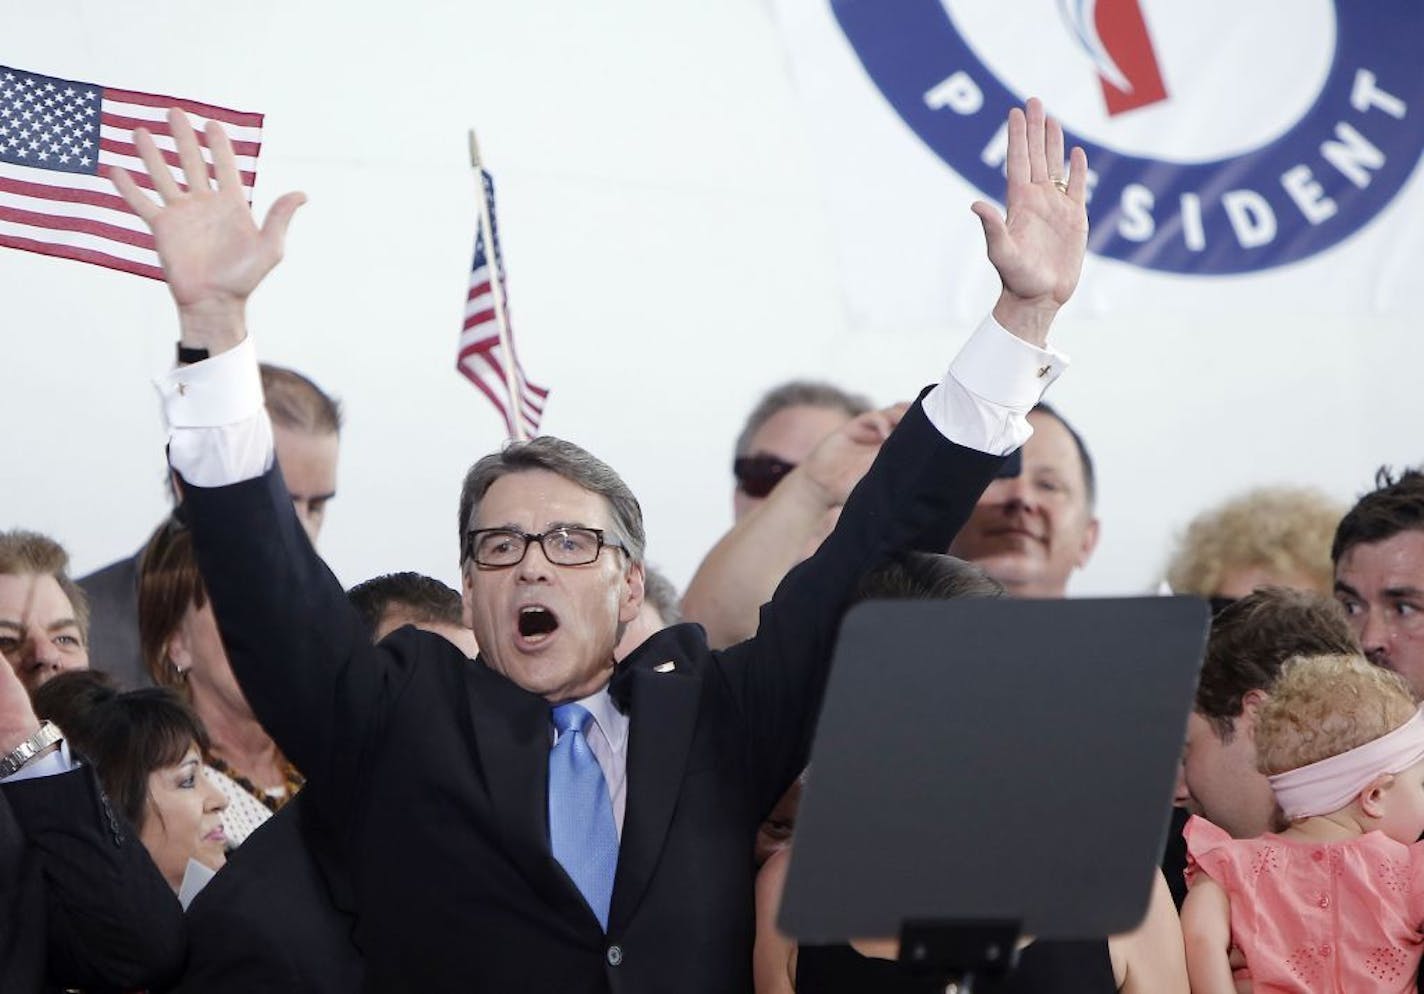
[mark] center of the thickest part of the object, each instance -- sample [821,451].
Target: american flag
[58,140]
[482,357]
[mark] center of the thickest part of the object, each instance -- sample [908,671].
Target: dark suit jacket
[81,903]
[435,768]
[269,921]
[113,622]
[1174,857]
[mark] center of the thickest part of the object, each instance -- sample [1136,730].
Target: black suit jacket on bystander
[81,903]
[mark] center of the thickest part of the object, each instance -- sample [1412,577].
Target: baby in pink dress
[1335,902]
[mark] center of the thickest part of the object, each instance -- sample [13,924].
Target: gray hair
[660,594]
[799,393]
[575,464]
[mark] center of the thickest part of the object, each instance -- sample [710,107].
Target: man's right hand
[213,253]
[17,716]
[838,462]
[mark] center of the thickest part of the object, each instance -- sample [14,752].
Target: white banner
[1241,154]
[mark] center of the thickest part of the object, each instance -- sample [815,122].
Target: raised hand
[743,569]
[214,254]
[838,462]
[1038,248]
[17,717]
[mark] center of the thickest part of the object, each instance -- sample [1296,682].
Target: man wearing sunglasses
[537,819]
[1032,528]
[787,423]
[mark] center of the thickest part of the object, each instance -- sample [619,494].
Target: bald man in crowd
[306,429]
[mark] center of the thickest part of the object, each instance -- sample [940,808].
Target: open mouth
[1017,533]
[537,622]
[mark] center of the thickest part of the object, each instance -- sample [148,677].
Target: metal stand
[959,953]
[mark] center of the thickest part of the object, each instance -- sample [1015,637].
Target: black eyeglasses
[757,476]
[496,547]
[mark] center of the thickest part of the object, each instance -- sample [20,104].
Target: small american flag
[482,357]
[58,140]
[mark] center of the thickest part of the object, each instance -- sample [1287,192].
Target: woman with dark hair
[179,640]
[146,748]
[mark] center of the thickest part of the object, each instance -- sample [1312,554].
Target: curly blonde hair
[1321,706]
[1283,529]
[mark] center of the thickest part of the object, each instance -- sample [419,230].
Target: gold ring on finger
[1061,183]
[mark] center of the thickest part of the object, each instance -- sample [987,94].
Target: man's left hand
[836,465]
[1038,247]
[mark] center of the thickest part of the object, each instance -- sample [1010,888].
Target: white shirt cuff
[219,391]
[995,380]
[48,765]
[218,429]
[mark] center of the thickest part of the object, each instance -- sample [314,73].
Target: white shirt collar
[611,722]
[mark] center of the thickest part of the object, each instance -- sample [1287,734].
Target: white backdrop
[670,255]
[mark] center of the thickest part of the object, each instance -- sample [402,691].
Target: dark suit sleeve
[238,945]
[299,650]
[113,922]
[232,954]
[113,623]
[918,493]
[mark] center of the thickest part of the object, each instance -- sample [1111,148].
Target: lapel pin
[666,667]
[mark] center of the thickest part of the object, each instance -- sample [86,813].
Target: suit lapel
[662,707]
[511,731]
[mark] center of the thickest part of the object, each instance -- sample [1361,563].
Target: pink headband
[1332,783]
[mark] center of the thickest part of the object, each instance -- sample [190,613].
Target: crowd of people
[221,771]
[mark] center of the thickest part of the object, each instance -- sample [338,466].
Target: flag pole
[501,316]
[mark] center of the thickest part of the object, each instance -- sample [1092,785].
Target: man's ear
[1251,702]
[1090,542]
[1372,798]
[467,581]
[631,594]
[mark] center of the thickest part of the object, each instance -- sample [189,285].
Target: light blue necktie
[581,829]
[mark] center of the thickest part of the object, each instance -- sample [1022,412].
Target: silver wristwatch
[27,750]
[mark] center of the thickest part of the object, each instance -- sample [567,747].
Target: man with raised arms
[540,818]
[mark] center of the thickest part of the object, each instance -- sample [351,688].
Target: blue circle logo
[1332,170]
